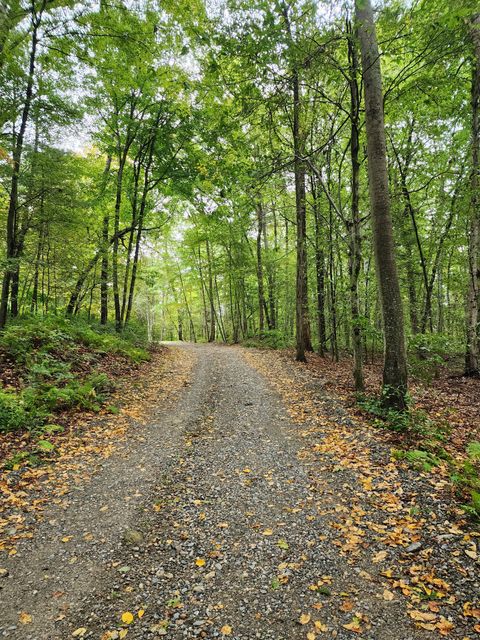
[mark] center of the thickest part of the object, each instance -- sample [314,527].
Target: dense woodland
[284,172]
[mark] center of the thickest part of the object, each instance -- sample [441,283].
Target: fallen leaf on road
[422,616]
[354,626]
[378,557]
[304,618]
[24,618]
[320,626]
[127,617]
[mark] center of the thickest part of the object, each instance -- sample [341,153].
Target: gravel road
[205,525]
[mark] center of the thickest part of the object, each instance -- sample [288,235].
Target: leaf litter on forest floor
[384,517]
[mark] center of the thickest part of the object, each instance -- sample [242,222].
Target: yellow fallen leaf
[311,635]
[268,532]
[319,626]
[226,630]
[247,470]
[353,626]
[127,617]
[444,626]
[304,618]
[78,633]
[471,554]
[141,613]
[378,557]
[388,595]
[422,616]
[200,562]
[122,633]
[66,538]
[24,618]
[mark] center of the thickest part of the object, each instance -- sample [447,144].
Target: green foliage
[42,452]
[12,412]
[269,339]
[43,344]
[412,421]
[58,358]
[428,352]
[418,458]
[389,418]
[466,475]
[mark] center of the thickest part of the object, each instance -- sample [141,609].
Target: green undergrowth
[425,439]
[52,364]
[269,339]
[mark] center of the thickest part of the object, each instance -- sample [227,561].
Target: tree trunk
[116,225]
[261,291]
[125,289]
[395,365]
[302,322]
[472,355]
[355,240]
[16,160]
[319,272]
[105,247]
[303,341]
[212,332]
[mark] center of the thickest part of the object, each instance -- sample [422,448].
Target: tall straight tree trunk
[303,340]
[212,333]
[116,225]
[105,248]
[141,218]
[131,237]
[355,254]
[319,271]
[302,320]
[261,292]
[16,161]
[472,355]
[271,311]
[395,364]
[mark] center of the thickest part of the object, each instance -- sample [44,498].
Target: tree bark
[355,240]
[472,355]
[36,19]
[260,285]
[105,247]
[395,365]
[319,272]
[212,332]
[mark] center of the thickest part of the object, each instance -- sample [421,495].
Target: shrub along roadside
[51,365]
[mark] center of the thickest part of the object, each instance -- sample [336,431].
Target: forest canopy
[279,172]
